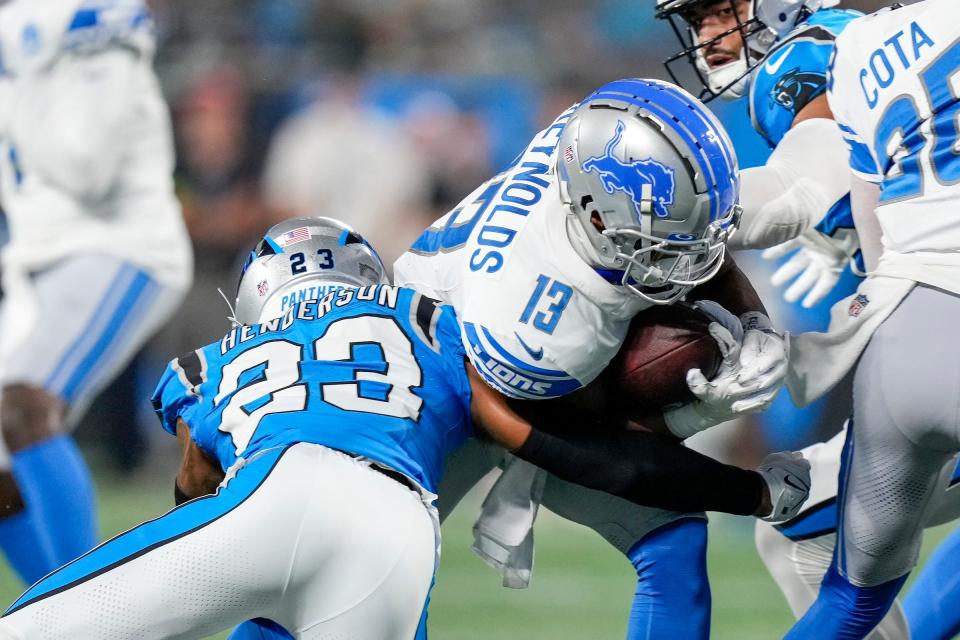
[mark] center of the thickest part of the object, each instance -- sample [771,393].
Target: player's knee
[30,415]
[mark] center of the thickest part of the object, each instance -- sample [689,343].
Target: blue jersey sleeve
[794,73]
[455,356]
[175,394]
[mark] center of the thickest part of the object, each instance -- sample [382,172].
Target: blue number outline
[558,293]
[909,183]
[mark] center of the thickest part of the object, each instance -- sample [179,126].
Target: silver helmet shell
[653,182]
[301,259]
[767,22]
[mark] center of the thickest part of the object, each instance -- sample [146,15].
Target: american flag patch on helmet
[296,235]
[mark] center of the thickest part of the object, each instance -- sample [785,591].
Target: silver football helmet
[303,259]
[767,21]
[653,182]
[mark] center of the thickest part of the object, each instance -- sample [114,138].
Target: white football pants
[306,536]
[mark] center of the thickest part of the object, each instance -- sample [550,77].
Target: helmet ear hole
[596,221]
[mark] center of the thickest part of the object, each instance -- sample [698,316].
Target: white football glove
[816,264]
[763,362]
[787,475]
[750,375]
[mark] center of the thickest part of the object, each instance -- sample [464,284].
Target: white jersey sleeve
[894,89]
[537,321]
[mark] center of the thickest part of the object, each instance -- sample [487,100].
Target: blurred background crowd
[385,114]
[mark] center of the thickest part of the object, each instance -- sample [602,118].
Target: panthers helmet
[300,259]
[653,182]
[767,21]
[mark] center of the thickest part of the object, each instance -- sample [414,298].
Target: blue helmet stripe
[700,134]
[726,166]
[273,244]
[719,154]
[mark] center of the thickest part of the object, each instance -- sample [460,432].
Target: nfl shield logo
[858,305]
[262,288]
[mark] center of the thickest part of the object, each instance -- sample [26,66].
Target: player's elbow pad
[646,469]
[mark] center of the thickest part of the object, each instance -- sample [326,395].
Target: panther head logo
[640,179]
[796,89]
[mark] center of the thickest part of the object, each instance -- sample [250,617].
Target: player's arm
[801,181]
[731,289]
[199,474]
[864,199]
[641,467]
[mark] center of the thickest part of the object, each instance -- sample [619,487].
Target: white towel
[503,533]
[819,360]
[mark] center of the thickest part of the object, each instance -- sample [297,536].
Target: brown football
[662,344]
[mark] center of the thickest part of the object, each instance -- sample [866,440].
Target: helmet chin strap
[233,314]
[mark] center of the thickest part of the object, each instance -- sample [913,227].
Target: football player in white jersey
[892,90]
[798,552]
[776,53]
[624,202]
[98,256]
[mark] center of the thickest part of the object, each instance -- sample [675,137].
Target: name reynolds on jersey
[895,55]
[307,310]
[522,189]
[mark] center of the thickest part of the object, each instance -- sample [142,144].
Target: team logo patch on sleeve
[858,305]
[796,89]
[645,181]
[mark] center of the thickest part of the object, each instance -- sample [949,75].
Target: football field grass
[581,587]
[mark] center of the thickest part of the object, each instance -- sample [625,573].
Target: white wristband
[756,320]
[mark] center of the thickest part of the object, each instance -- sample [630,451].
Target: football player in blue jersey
[775,53]
[313,436]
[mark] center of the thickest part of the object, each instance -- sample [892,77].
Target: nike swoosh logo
[772,67]
[536,355]
[787,482]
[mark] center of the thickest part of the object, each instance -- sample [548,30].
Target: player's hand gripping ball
[662,345]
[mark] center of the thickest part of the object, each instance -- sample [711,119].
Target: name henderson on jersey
[385,296]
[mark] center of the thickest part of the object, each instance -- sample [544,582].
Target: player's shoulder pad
[794,72]
[513,366]
[35,34]
[427,318]
[179,388]
[98,25]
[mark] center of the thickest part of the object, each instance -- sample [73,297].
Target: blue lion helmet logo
[632,177]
